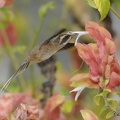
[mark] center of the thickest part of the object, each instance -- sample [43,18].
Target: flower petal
[81,80]
[97,32]
[90,56]
[78,90]
[110,46]
[52,107]
[55,101]
[114,80]
[2,3]
[103,38]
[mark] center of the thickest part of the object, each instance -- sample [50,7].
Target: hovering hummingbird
[44,51]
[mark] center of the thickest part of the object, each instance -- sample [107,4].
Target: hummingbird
[42,52]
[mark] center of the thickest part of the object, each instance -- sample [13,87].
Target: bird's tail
[23,67]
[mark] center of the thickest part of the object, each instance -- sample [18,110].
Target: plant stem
[36,36]
[12,57]
[32,81]
[114,12]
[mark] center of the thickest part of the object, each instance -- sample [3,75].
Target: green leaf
[113,103]
[64,91]
[91,3]
[101,82]
[67,106]
[109,115]
[107,81]
[103,7]
[117,3]
[45,8]
[103,109]
[105,92]
[97,99]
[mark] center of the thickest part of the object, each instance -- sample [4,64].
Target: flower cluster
[24,107]
[104,70]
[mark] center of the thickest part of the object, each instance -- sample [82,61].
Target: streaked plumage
[42,52]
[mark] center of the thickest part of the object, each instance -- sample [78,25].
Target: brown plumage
[42,52]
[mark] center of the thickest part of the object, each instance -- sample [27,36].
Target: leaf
[91,3]
[97,99]
[117,3]
[107,81]
[67,106]
[88,115]
[103,7]
[103,109]
[109,115]
[113,103]
[102,82]
[45,8]
[105,92]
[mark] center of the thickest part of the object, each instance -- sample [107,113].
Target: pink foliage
[27,108]
[5,2]
[9,102]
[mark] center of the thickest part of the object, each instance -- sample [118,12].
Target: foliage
[103,6]
[104,68]
[88,115]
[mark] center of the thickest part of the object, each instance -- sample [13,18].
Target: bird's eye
[64,38]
